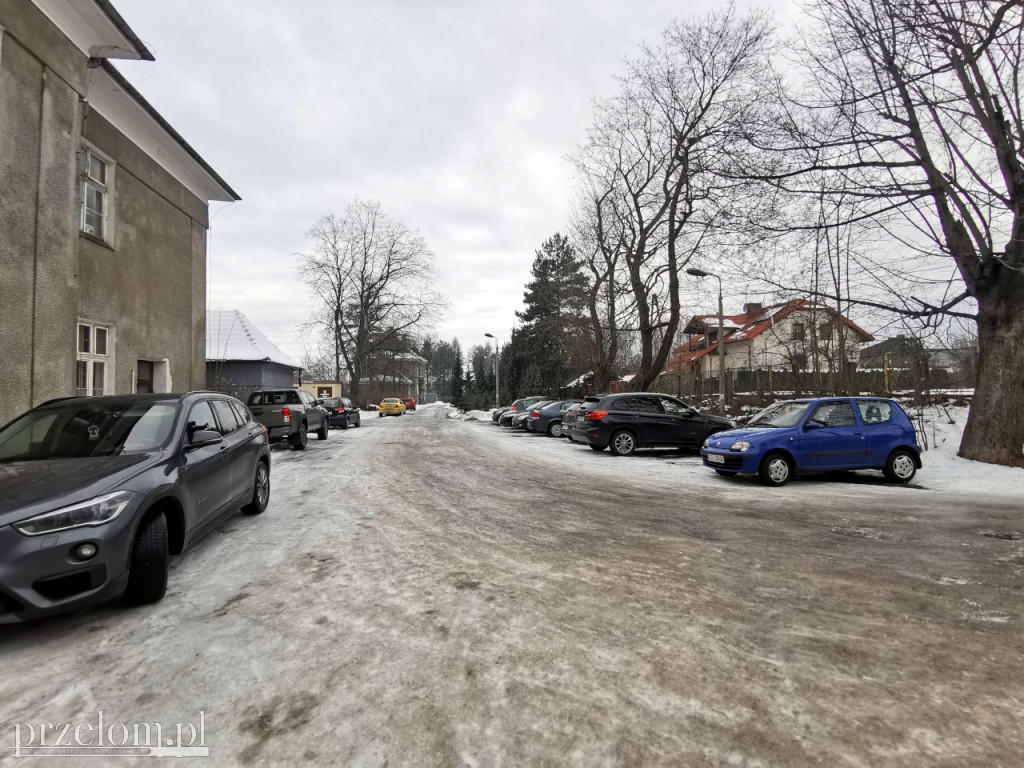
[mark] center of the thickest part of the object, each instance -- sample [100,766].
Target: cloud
[456,115]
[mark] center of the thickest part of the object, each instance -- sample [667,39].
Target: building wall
[39,118]
[239,378]
[148,284]
[316,388]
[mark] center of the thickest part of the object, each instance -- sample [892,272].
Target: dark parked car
[517,407]
[569,418]
[342,412]
[799,436]
[547,418]
[97,492]
[627,421]
[519,419]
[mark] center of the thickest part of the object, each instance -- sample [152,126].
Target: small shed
[241,359]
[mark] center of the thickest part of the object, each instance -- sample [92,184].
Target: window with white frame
[97,186]
[94,360]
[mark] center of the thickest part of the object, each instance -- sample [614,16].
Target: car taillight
[287,414]
[596,415]
[536,414]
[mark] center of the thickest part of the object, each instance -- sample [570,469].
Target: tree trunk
[995,426]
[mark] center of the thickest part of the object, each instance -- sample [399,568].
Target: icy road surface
[424,591]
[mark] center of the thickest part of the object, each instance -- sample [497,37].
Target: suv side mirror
[813,425]
[319,401]
[202,437]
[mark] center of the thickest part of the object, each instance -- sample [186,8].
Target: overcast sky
[455,115]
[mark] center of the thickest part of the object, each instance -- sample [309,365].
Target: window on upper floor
[799,330]
[97,195]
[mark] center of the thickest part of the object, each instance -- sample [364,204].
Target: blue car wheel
[900,467]
[776,469]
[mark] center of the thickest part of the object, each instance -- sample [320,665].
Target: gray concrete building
[240,359]
[103,216]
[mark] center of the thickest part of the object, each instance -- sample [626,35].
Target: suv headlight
[707,442]
[96,511]
[740,445]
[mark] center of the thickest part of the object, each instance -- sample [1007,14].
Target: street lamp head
[698,272]
[489,335]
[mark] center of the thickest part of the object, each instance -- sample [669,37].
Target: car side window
[835,414]
[201,417]
[673,406]
[226,416]
[243,414]
[640,404]
[874,411]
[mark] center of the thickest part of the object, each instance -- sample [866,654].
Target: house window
[94,360]
[798,330]
[97,183]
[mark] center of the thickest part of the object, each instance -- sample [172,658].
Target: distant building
[323,388]
[103,216]
[241,359]
[797,335]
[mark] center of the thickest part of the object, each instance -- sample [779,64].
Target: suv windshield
[787,414]
[87,429]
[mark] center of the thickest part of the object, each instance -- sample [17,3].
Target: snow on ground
[943,470]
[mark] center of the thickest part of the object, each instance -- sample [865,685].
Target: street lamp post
[721,340]
[497,402]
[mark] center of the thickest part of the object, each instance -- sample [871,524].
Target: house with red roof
[797,335]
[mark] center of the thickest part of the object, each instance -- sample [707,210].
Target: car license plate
[714,458]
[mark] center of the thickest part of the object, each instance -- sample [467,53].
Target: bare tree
[372,283]
[658,157]
[914,108]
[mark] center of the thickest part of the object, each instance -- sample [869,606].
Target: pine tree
[457,373]
[554,316]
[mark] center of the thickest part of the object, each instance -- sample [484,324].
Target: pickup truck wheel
[321,434]
[300,438]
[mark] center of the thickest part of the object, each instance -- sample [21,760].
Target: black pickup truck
[289,414]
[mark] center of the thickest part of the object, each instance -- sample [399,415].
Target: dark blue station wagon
[822,435]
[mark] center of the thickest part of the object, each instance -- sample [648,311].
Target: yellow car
[390,406]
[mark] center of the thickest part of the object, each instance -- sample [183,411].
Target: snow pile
[945,471]
[455,413]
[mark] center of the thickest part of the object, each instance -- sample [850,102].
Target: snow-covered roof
[230,335]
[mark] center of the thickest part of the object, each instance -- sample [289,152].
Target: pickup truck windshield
[284,397]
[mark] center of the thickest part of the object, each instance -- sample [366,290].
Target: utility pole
[721,333]
[497,389]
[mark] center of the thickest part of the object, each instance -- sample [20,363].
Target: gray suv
[97,492]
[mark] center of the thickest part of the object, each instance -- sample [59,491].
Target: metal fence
[766,385]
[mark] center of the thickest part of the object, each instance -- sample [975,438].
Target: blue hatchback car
[822,435]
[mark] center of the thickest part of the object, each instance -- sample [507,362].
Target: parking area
[428,591]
